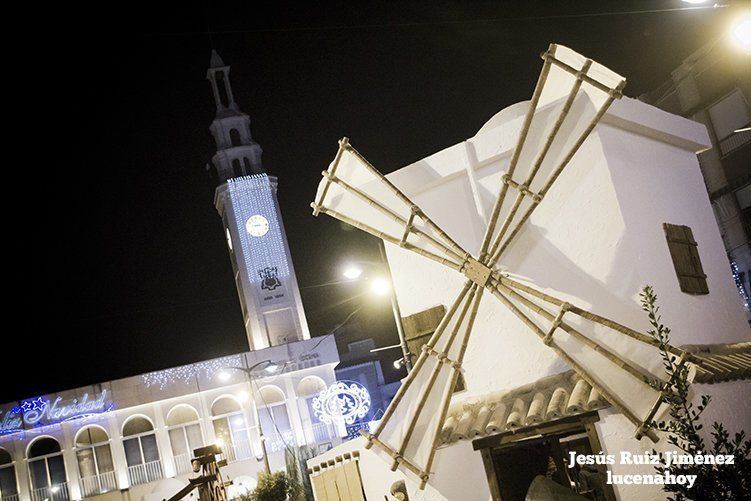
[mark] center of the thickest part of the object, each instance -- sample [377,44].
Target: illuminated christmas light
[188,373]
[739,284]
[343,401]
[252,196]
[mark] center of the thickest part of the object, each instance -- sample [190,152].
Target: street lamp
[382,286]
[270,368]
[740,32]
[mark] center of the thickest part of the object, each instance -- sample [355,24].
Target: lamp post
[397,312]
[270,367]
[383,286]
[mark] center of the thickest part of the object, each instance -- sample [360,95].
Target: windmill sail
[354,192]
[571,96]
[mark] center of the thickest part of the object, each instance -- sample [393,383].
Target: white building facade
[122,439]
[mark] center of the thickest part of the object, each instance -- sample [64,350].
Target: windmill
[571,96]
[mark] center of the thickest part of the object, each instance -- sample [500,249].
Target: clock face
[257,225]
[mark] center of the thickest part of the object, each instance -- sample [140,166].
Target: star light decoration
[571,96]
[187,373]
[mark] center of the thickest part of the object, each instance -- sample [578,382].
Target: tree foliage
[683,429]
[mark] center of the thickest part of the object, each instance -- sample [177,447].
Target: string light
[253,195]
[739,284]
[188,373]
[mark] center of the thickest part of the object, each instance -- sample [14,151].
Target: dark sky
[128,269]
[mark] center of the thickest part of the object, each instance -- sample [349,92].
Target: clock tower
[246,200]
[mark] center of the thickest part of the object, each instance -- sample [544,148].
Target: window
[274,419]
[141,451]
[184,435]
[729,114]
[221,87]
[8,486]
[231,429]
[237,169]
[532,463]
[234,137]
[47,470]
[95,465]
[685,255]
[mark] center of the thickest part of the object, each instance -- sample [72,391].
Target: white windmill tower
[571,96]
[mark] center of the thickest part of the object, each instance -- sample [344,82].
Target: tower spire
[237,154]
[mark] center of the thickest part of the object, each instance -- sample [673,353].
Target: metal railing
[145,472]
[182,463]
[9,497]
[98,484]
[56,492]
[276,442]
[319,432]
[237,452]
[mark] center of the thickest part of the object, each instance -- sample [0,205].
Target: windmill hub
[477,272]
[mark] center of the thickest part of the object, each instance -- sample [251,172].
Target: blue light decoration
[39,411]
[739,284]
[343,401]
[253,195]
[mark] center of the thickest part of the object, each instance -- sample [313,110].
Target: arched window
[95,465]
[141,451]
[248,167]
[47,470]
[315,431]
[231,428]
[221,86]
[237,169]
[8,485]
[274,419]
[184,435]
[234,137]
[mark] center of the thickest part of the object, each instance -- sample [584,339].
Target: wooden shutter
[417,330]
[685,255]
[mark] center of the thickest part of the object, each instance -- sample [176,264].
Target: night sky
[128,269]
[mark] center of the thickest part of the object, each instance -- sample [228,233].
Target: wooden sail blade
[628,374]
[409,430]
[567,105]
[354,192]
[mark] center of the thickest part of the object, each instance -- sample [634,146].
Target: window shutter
[417,330]
[684,252]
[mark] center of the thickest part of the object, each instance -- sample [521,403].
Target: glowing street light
[380,286]
[352,272]
[740,32]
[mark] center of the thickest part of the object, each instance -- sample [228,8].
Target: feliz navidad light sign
[39,411]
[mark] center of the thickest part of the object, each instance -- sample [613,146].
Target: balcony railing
[276,442]
[182,463]
[9,497]
[56,492]
[319,433]
[145,473]
[237,452]
[98,484]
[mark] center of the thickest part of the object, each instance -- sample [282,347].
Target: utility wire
[443,22]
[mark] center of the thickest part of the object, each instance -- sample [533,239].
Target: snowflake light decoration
[343,401]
